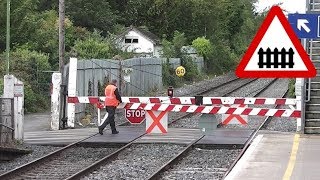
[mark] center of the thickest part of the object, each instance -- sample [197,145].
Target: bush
[291,87]
[192,72]
[169,77]
[26,65]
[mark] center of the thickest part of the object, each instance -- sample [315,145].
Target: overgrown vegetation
[220,30]
[292,89]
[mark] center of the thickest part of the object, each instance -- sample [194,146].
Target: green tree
[92,14]
[95,46]
[204,48]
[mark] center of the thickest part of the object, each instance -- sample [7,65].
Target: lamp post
[8,36]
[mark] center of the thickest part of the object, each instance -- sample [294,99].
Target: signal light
[170,91]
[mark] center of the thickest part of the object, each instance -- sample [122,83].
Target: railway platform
[279,156]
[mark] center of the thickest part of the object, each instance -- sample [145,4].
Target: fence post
[72,89]
[55,101]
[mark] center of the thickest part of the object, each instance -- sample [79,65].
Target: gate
[6,121]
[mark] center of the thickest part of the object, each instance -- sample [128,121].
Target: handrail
[309,90]
[7,127]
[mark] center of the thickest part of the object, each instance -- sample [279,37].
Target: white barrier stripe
[223,110]
[192,108]
[177,108]
[239,110]
[207,109]
[249,101]
[270,101]
[287,113]
[271,112]
[135,106]
[255,111]
[149,106]
[185,100]
[163,107]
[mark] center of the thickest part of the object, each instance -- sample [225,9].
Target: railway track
[174,161]
[42,168]
[264,123]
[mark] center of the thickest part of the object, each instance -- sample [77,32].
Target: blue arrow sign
[305,25]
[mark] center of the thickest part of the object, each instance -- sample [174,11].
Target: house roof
[147,34]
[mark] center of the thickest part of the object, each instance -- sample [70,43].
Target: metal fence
[6,121]
[145,74]
[137,76]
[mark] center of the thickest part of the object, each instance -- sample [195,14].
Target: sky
[292,6]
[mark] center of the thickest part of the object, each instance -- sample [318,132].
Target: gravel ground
[38,151]
[67,163]
[137,162]
[250,89]
[203,164]
[274,91]
[212,164]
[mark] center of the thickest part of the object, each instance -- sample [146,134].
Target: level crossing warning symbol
[234,118]
[275,51]
[156,122]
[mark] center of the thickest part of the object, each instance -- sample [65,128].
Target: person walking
[112,100]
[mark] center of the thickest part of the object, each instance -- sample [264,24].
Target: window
[129,40]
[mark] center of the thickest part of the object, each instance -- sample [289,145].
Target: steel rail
[252,136]
[223,95]
[34,163]
[42,159]
[175,159]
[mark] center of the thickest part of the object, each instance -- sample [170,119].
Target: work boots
[115,132]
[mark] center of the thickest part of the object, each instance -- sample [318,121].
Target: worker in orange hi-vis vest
[112,100]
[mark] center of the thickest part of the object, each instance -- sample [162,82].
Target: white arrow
[302,24]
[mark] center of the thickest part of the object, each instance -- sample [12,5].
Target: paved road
[37,122]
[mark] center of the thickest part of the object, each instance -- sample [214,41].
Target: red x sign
[230,117]
[156,119]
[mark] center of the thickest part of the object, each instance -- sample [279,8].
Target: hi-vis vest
[111,99]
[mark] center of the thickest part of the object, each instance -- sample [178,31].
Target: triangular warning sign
[275,51]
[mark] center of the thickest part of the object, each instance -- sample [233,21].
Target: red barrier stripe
[175,100]
[199,109]
[93,100]
[184,108]
[216,101]
[281,101]
[73,100]
[296,114]
[215,110]
[239,101]
[263,112]
[279,113]
[134,100]
[128,105]
[231,110]
[156,107]
[260,101]
[155,100]
[170,107]
[246,111]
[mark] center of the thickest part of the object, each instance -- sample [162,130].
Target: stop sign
[135,116]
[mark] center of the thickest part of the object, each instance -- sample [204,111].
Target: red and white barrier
[190,100]
[213,109]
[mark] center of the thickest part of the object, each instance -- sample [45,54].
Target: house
[140,41]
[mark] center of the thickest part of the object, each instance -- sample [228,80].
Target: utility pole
[61,61]
[8,36]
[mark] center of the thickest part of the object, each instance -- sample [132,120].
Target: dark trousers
[111,111]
